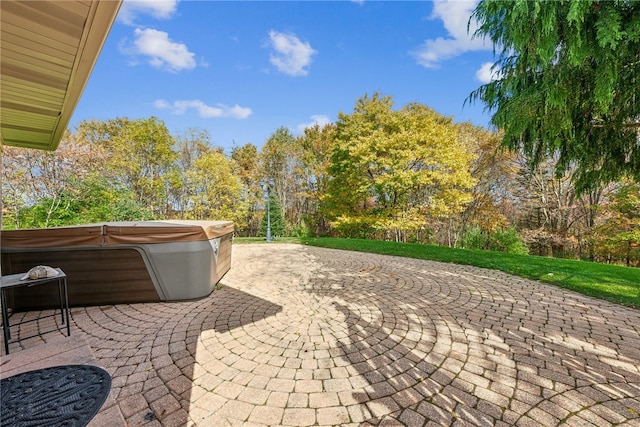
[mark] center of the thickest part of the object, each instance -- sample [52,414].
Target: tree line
[405,174]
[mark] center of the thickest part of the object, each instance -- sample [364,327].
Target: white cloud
[205,111]
[291,56]
[486,75]
[455,16]
[163,53]
[161,104]
[317,119]
[159,9]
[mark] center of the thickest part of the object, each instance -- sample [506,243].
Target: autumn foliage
[379,172]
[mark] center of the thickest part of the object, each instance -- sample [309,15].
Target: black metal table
[14,281]
[69,395]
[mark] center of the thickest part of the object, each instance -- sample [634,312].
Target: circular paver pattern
[298,335]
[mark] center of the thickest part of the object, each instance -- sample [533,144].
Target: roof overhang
[48,50]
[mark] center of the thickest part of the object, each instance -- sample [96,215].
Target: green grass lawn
[609,282]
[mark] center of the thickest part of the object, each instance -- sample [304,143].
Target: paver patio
[299,335]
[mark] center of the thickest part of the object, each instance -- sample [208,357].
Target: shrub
[505,240]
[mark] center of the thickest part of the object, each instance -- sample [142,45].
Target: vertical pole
[6,328]
[268,214]
[66,305]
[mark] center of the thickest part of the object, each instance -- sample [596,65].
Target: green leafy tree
[216,190]
[48,180]
[103,202]
[85,202]
[140,157]
[494,170]
[189,147]
[618,239]
[49,212]
[568,82]
[390,170]
[316,145]
[247,167]
[279,161]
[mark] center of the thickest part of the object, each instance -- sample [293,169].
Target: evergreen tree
[277,222]
[568,81]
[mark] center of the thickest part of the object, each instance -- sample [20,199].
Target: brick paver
[300,336]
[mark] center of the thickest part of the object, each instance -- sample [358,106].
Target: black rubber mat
[69,395]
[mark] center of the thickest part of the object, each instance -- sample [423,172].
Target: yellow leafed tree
[391,170]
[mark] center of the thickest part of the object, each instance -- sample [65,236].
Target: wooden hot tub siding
[114,276]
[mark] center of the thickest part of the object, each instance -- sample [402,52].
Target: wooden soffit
[48,50]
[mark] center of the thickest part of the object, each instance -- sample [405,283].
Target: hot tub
[121,262]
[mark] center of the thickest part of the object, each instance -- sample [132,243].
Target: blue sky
[241,69]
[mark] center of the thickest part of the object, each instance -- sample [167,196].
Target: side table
[13,281]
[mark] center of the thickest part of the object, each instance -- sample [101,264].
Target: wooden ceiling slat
[19,59]
[27,129]
[39,127]
[16,98]
[13,95]
[35,122]
[19,118]
[26,24]
[32,137]
[64,10]
[47,15]
[20,84]
[28,40]
[31,49]
[22,143]
[43,129]
[27,104]
[32,76]
[77,7]
[28,108]
[49,104]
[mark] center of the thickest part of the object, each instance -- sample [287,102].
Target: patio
[299,335]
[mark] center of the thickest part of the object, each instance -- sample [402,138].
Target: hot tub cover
[115,233]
